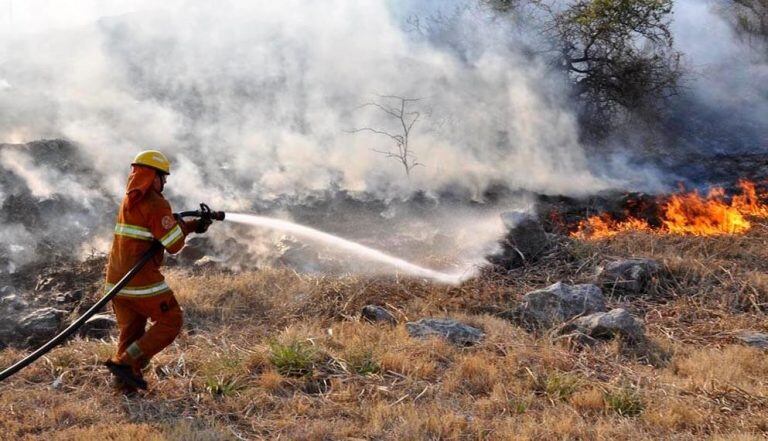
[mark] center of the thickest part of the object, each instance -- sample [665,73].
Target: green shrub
[626,401]
[222,386]
[293,359]
[557,386]
[518,406]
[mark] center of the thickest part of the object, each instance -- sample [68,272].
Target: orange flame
[688,213]
[749,201]
[601,226]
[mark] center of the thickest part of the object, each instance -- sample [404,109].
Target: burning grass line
[687,213]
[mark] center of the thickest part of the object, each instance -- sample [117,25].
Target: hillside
[274,354]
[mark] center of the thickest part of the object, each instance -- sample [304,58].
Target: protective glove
[202,225]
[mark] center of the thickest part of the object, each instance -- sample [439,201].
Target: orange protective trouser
[136,346]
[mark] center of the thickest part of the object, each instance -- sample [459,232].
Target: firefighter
[145,216]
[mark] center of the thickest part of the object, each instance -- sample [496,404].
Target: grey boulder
[454,331]
[377,314]
[628,275]
[607,325]
[98,326]
[557,303]
[40,325]
[754,339]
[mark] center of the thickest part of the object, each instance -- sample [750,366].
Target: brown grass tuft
[589,401]
[473,374]
[732,366]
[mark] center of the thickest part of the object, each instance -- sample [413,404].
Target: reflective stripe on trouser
[134,351]
[133,231]
[135,345]
[141,291]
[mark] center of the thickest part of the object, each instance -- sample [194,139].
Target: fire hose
[203,213]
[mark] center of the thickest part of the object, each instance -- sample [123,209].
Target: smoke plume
[258,103]
[257,100]
[724,108]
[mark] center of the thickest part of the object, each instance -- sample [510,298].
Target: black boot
[125,374]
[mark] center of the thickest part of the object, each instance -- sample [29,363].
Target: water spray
[338,242]
[347,245]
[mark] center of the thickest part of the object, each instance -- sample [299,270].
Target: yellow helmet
[154,159]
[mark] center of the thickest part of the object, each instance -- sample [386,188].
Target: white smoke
[255,101]
[728,74]
[44,182]
[261,95]
[18,246]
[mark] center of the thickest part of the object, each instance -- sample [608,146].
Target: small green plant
[293,359]
[518,406]
[222,386]
[626,401]
[363,363]
[224,364]
[557,386]
[63,360]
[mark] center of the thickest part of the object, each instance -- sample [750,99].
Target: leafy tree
[619,53]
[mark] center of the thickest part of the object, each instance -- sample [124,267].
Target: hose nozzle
[204,212]
[207,213]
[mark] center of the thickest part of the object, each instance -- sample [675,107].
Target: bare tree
[405,120]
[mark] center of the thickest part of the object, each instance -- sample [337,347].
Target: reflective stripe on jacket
[139,222]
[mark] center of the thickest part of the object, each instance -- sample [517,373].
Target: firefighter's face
[159,183]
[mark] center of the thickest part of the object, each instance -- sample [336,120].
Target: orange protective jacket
[144,216]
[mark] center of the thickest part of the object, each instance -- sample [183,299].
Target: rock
[98,326]
[755,339]
[525,242]
[194,249]
[39,325]
[46,284]
[607,325]
[10,306]
[452,330]
[205,264]
[557,303]
[374,313]
[12,303]
[628,275]
[69,296]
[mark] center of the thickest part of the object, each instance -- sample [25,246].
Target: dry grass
[273,354]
